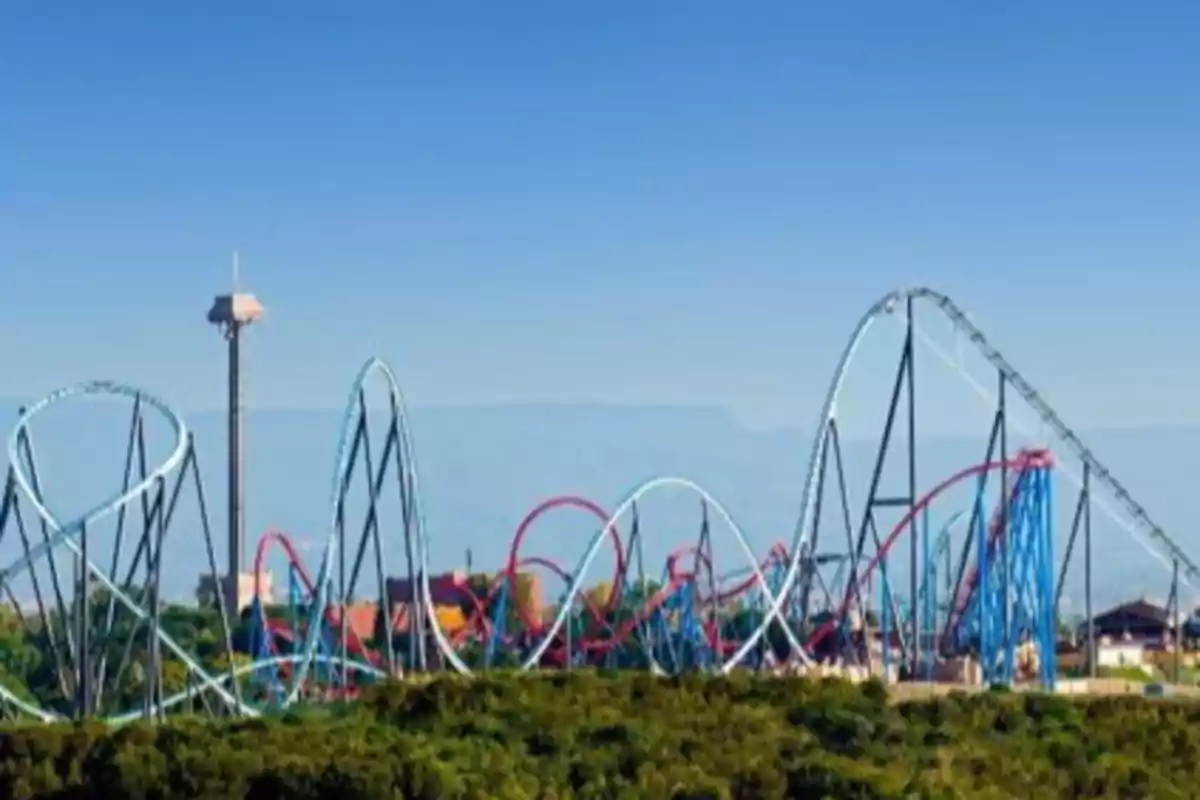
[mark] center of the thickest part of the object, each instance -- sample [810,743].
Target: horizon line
[601,405]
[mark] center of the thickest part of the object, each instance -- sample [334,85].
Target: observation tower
[231,313]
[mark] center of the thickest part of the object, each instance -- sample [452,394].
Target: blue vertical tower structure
[1010,618]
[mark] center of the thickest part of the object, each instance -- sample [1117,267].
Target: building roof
[360,618]
[457,589]
[449,588]
[1140,610]
[450,618]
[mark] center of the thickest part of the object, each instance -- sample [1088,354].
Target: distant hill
[483,468]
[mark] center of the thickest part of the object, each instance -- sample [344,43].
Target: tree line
[596,734]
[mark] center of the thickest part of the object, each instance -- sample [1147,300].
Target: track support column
[1087,571]
[1175,622]
[83,680]
[914,550]
[1005,546]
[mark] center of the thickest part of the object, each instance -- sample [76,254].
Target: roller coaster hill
[959,579]
[688,616]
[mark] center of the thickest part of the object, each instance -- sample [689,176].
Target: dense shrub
[585,735]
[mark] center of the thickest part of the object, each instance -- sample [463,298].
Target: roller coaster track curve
[887,305]
[410,476]
[1052,420]
[63,531]
[884,306]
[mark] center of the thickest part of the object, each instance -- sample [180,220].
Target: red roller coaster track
[354,645]
[1025,459]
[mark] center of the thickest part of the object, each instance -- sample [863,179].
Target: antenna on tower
[236,270]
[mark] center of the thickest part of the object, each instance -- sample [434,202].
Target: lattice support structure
[95,615]
[312,646]
[1010,618]
[847,588]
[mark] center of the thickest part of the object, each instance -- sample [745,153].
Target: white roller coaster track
[1048,416]
[882,307]
[63,532]
[1136,513]
[988,398]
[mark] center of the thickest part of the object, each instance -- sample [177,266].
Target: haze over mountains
[482,469]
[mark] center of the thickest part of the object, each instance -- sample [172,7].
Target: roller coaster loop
[684,609]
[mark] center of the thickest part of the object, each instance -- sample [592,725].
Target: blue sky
[657,202]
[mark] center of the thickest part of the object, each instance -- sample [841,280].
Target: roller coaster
[973,595]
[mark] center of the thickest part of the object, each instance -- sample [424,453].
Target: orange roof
[360,618]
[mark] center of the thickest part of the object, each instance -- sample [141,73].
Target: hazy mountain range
[483,468]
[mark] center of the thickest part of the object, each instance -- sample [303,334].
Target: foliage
[630,735]
[37,665]
[1129,673]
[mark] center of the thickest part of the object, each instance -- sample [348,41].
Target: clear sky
[639,202]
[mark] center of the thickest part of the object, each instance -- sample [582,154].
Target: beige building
[206,590]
